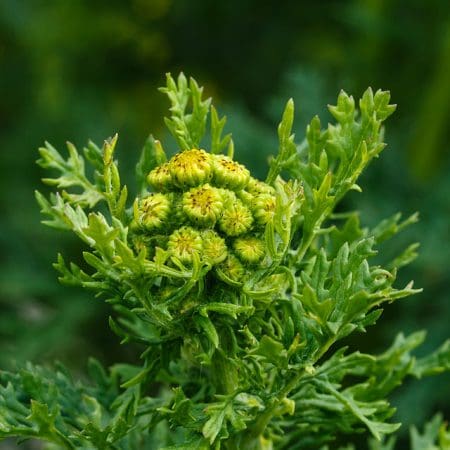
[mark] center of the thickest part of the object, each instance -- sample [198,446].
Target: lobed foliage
[238,352]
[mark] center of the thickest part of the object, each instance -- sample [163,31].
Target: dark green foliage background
[79,70]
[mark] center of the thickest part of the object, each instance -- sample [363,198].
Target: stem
[305,244]
[224,374]
[265,418]
[62,440]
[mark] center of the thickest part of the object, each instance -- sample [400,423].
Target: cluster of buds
[207,206]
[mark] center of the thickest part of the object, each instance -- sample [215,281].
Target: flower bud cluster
[208,207]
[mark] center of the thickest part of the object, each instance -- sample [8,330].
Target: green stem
[263,421]
[224,374]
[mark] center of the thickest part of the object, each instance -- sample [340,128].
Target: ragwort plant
[237,290]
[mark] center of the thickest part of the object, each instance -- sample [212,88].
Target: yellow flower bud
[160,178]
[263,208]
[249,249]
[232,268]
[236,219]
[183,243]
[202,205]
[190,168]
[151,212]
[214,247]
[229,173]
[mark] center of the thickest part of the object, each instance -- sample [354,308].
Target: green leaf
[287,148]
[101,234]
[187,127]
[391,226]
[208,328]
[152,155]
[382,445]
[72,174]
[344,111]
[434,363]
[218,143]
[272,351]
[220,414]
[427,440]
[361,412]
[54,208]
[196,444]
[225,308]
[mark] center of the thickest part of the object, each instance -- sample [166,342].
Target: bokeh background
[79,70]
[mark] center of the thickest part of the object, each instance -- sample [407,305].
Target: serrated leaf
[152,155]
[208,328]
[427,440]
[287,148]
[434,363]
[196,444]
[225,308]
[272,351]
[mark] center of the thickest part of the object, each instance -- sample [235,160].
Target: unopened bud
[236,219]
[202,205]
[229,173]
[190,168]
[263,208]
[249,249]
[152,212]
[232,268]
[214,247]
[160,178]
[183,243]
[257,187]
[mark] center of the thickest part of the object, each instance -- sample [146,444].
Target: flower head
[214,247]
[211,200]
[232,268]
[257,187]
[151,212]
[202,205]
[236,219]
[229,173]
[190,168]
[184,243]
[160,178]
[249,249]
[263,207]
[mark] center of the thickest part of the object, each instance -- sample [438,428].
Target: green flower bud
[257,187]
[190,168]
[229,173]
[236,219]
[183,243]
[246,197]
[263,208]
[214,247]
[141,242]
[228,197]
[249,249]
[203,205]
[232,268]
[160,178]
[151,212]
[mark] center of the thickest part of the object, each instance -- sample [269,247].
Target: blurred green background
[74,70]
